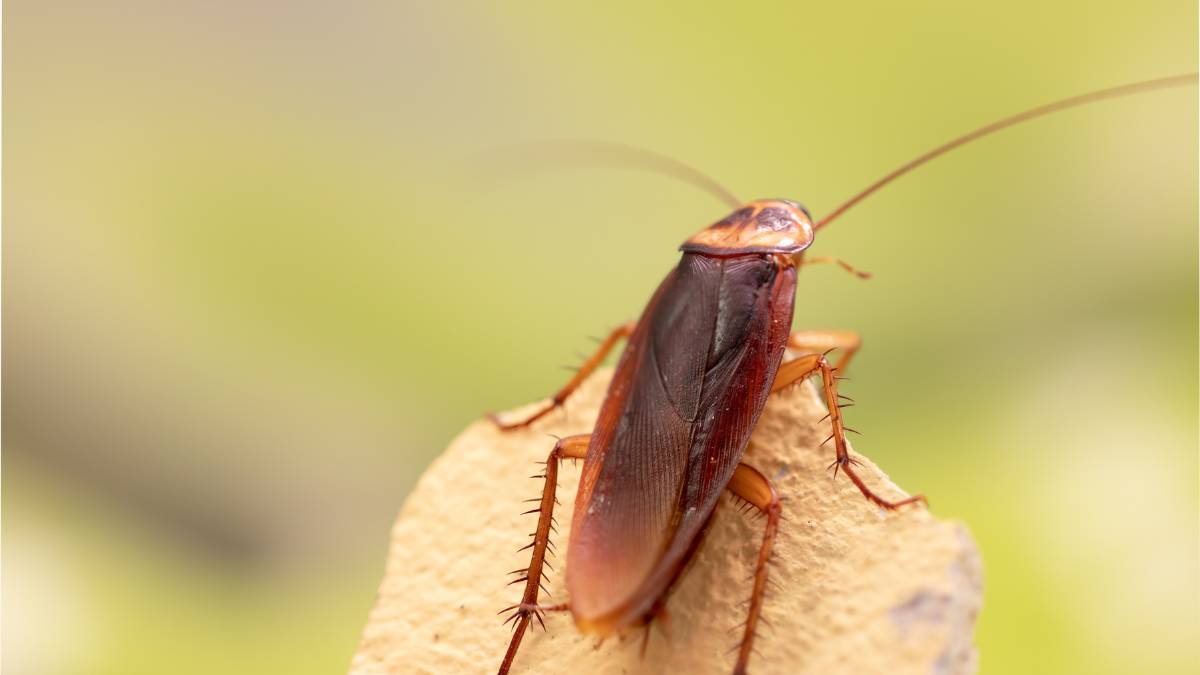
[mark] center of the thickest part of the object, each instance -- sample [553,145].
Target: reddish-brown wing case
[686,394]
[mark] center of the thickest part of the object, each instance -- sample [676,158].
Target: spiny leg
[822,341]
[574,447]
[791,372]
[586,369]
[753,487]
[536,611]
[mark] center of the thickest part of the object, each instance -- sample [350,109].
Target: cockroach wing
[686,394]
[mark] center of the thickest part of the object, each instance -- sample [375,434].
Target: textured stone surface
[859,590]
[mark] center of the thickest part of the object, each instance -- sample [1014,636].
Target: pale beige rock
[859,590]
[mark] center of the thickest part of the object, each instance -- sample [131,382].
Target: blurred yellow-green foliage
[252,287]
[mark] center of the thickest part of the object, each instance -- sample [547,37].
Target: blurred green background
[252,286]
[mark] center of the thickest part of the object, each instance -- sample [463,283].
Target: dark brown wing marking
[681,328]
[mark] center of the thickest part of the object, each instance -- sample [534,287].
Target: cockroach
[697,369]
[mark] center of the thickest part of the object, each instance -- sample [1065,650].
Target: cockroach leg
[822,341]
[791,372]
[586,369]
[571,447]
[826,260]
[534,609]
[796,370]
[750,485]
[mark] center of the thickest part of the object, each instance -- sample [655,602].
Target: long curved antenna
[594,154]
[1114,92]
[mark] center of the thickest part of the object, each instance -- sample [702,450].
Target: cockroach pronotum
[686,394]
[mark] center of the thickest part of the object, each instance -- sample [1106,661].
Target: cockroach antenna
[591,154]
[1032,113]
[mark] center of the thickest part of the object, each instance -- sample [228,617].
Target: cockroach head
[762,226]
